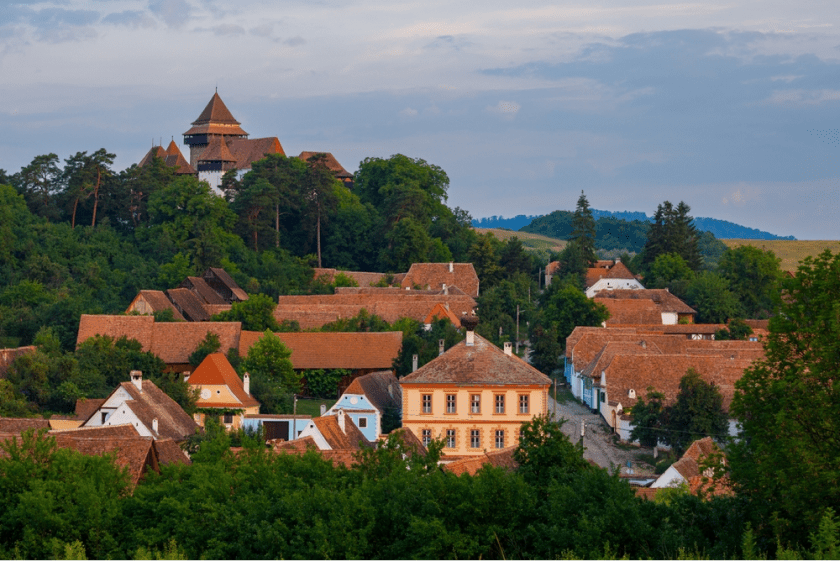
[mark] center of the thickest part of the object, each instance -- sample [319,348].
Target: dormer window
[631,394]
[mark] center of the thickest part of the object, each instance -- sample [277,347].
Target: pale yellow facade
[220,396]
[474,419]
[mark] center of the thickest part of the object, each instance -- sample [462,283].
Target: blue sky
[731,107]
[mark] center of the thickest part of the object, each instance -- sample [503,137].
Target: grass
[791,252]
[312,407]
[530,241]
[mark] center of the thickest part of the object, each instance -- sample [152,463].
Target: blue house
[367,399]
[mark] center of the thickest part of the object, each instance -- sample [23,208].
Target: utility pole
[294,418]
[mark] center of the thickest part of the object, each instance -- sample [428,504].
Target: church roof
[216,112]
[172,157]
[216,119]
[330,161]
[216,150]
[250,150]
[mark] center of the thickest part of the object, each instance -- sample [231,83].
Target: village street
[598,439]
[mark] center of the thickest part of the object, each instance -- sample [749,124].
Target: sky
[731,106]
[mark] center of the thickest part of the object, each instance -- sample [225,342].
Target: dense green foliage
[788,461]
[610,233]
[672,231]
[273,380]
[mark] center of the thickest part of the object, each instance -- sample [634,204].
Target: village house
[141,404]
[440,276]
[645,307]
[220,389]
[604,275]
[475,396]
[367,399]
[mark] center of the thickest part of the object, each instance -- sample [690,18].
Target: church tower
[210,133]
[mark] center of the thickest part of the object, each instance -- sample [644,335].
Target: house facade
[220,389]
[475,396]
[367,399]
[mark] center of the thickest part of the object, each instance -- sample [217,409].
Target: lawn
[312,407]
[791,252]
[530,241]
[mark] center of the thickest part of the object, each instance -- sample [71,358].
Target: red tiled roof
[215,370]
[435,275]
[217,150]
[355,351]
[498,458]
[18,425]
[631,312]
[203,290]
[133,327]
[175,159]
[216,117]
[218,278]
[135,453]
[188,303]
[667,301]
[169,452]
[157,301]
[87,407]
[152,403]
[250,150]
[351,438]
[619,271]
[330,161]
[363,279]
[480,364]
[381,388]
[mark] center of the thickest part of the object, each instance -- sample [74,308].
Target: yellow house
[475,396]
[221,388]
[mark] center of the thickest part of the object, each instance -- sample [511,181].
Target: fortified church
[218,144]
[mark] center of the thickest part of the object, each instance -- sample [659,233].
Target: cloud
[801,97]
[409,112]
[130,18]
[52,17]
[264,30]
[174,13]
[229,29]
[295,41]
[507,109]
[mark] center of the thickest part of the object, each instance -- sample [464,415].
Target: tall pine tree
[673,231]
[583,231]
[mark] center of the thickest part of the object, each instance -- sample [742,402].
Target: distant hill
[721,229]
[610,233]
[515,223]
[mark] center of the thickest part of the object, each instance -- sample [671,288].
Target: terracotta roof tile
[355,351]
[435,275]
[168,452]
[215,370]
[480,364]
[667,301]
[250,150]
[217,151]
[156,300]
[136,453]
[87,407]
[175,159]
[498,458]
[216,116]
[331,163]
[17,426]
[631,312]
[203,290]
[188,303]
[224,284]
[134,327]
[363,279]
[175,342]
[351,438]
[381,388]
[154,152]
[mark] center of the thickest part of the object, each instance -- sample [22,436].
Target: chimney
[341,421]
[643,344]
[414,363]
[390,389]
[246,383]
[440,347]
[451,267]
[445,290]
[137,380]
[470,323]
[154,425]
[323,409]
[187,376]
[508,348]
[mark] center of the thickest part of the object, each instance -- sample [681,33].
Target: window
[500,439]
[228,418]
[427,437]
[500,404]
[362,422]
[475,439]
[450,403]
[450,438]
[427,403]
[523,404]
[475,403]
[104,416]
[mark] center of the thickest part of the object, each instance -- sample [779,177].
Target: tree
[85,175]
[39,183]
[786,459]
[583,231]
[736,330]
[669,270]
[273,378]
[320,194]
[545,452]
[648,417]
[710,295]
[754,276]
[209,345]
[697,413]
[672,231]
[256,313]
